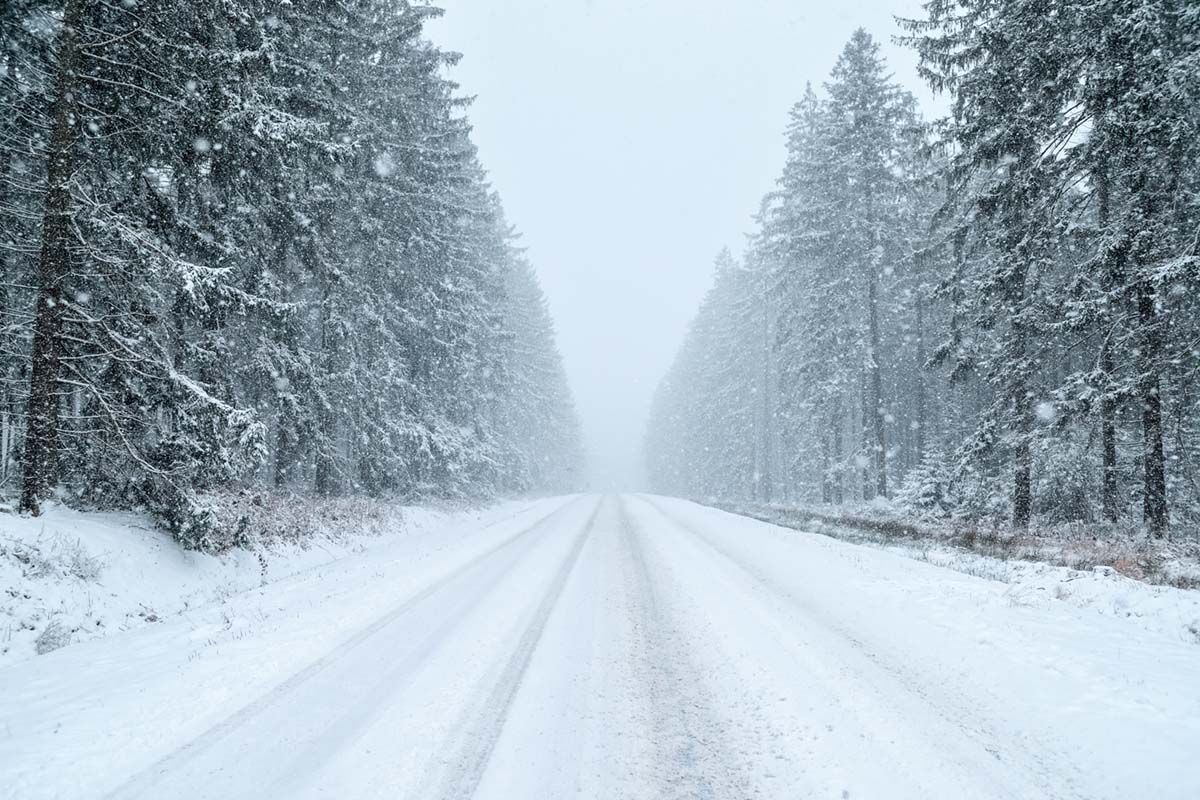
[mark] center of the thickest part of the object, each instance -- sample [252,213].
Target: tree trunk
[767,476]
[1019,386]
[284,452]
[1154,496]
[835,420]
[1108,439]
[287,445]
[1022,481]
[919,376]
[325,477]
[877,413]
[8,380]
[1022,457]
[866,407]
[54,266]
[1108,403]
[826,477]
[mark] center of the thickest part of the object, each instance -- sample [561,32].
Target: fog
[630,142]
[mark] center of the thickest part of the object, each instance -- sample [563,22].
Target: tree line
[250,244]
[991,315]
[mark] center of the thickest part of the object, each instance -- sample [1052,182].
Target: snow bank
[1163,609]
[83,719]
[70,576]
[1033,577]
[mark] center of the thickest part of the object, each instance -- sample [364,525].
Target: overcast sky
[631,140]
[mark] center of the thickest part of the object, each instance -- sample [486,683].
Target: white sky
[630,140]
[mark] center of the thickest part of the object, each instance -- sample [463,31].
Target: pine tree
[269,256]
[1024,90]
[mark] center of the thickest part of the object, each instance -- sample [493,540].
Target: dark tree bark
[1020,395]
[1154,495]
[1019,388]
[54,266]
[1023,422]
[1022,482]
[11,371]
[325,478]
[1108,439]
[287,446]
[1108,403]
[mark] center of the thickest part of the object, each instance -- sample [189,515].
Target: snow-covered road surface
[614,647]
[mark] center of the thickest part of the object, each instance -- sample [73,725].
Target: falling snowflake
[385,165]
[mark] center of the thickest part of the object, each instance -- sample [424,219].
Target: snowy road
[616,647]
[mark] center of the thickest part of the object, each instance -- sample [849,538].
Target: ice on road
[614,647]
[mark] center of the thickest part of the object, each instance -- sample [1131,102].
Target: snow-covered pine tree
[704,437]
[814,313]
[816,338]
[27,38]
[253,217]
[843,230]
[1092,105]
[535,417]
[121,251]
[867,116]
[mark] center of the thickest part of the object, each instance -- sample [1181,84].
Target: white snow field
[613,647]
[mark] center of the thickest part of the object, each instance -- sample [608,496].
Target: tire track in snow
[480,732]
[692,754]
[960,714]
[138,784]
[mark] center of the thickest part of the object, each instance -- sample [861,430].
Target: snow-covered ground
[618,647]
[70,577]
[1034,578]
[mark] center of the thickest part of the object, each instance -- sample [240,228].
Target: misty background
[631,141]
